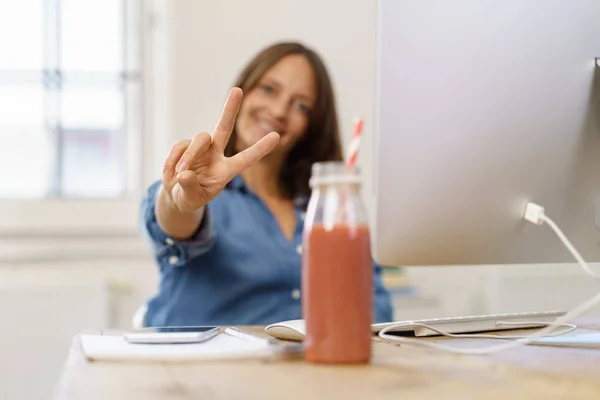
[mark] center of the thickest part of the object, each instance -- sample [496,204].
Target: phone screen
[176,329]
[172,334]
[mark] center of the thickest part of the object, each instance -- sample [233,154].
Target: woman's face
[281,101]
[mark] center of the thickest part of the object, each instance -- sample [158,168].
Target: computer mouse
[288,330]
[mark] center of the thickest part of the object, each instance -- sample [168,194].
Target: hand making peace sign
[197,170]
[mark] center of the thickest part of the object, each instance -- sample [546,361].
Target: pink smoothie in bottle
[337,270]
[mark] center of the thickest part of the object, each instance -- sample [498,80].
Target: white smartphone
[172,334]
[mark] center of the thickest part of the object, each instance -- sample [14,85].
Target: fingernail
[181,166]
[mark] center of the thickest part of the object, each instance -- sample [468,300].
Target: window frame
[68,217]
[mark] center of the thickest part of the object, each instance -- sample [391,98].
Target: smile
[268,127]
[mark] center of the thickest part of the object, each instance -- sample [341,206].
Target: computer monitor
[481,107]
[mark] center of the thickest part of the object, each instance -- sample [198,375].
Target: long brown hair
[321,141]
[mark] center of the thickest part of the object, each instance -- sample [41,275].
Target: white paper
[222,346]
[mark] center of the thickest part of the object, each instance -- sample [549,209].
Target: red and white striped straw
[352,154]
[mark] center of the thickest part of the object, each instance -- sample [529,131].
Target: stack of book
[396,281]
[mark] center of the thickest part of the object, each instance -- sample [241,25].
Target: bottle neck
[333,173]
[349,188]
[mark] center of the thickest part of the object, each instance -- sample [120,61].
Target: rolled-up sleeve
[168,251]
[382,304]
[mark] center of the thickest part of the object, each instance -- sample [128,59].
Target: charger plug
[534,213]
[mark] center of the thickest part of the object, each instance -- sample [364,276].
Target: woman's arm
[174,222]
[168,250]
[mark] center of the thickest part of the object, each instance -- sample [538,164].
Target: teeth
[266,126]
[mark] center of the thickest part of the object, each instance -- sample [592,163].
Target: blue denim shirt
[238,268]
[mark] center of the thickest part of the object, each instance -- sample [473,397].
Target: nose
[280,107]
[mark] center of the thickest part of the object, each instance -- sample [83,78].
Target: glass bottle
[337,268]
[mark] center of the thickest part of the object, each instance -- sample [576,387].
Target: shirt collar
[237,183]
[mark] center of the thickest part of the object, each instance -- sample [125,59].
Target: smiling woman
[262,113]
[226,220]
[290,77]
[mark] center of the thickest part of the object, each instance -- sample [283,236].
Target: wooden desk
[530,372]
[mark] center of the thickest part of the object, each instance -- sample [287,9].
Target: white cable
[534,214]
[569,246]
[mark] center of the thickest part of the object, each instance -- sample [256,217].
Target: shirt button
[296,294]
[169,241]
[299,249]
[173,260]
[302,215]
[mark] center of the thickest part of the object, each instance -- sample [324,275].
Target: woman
[225,221]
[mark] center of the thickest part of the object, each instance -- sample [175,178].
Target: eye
[267,89]
[303,108]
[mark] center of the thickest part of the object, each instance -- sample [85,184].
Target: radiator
[38,323]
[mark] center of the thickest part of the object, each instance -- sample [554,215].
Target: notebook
[221,347]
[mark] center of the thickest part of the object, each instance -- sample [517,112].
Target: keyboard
[471,323]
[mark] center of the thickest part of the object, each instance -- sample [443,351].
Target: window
[70,112]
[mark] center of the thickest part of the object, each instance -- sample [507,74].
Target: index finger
[226,122]
[254,153]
